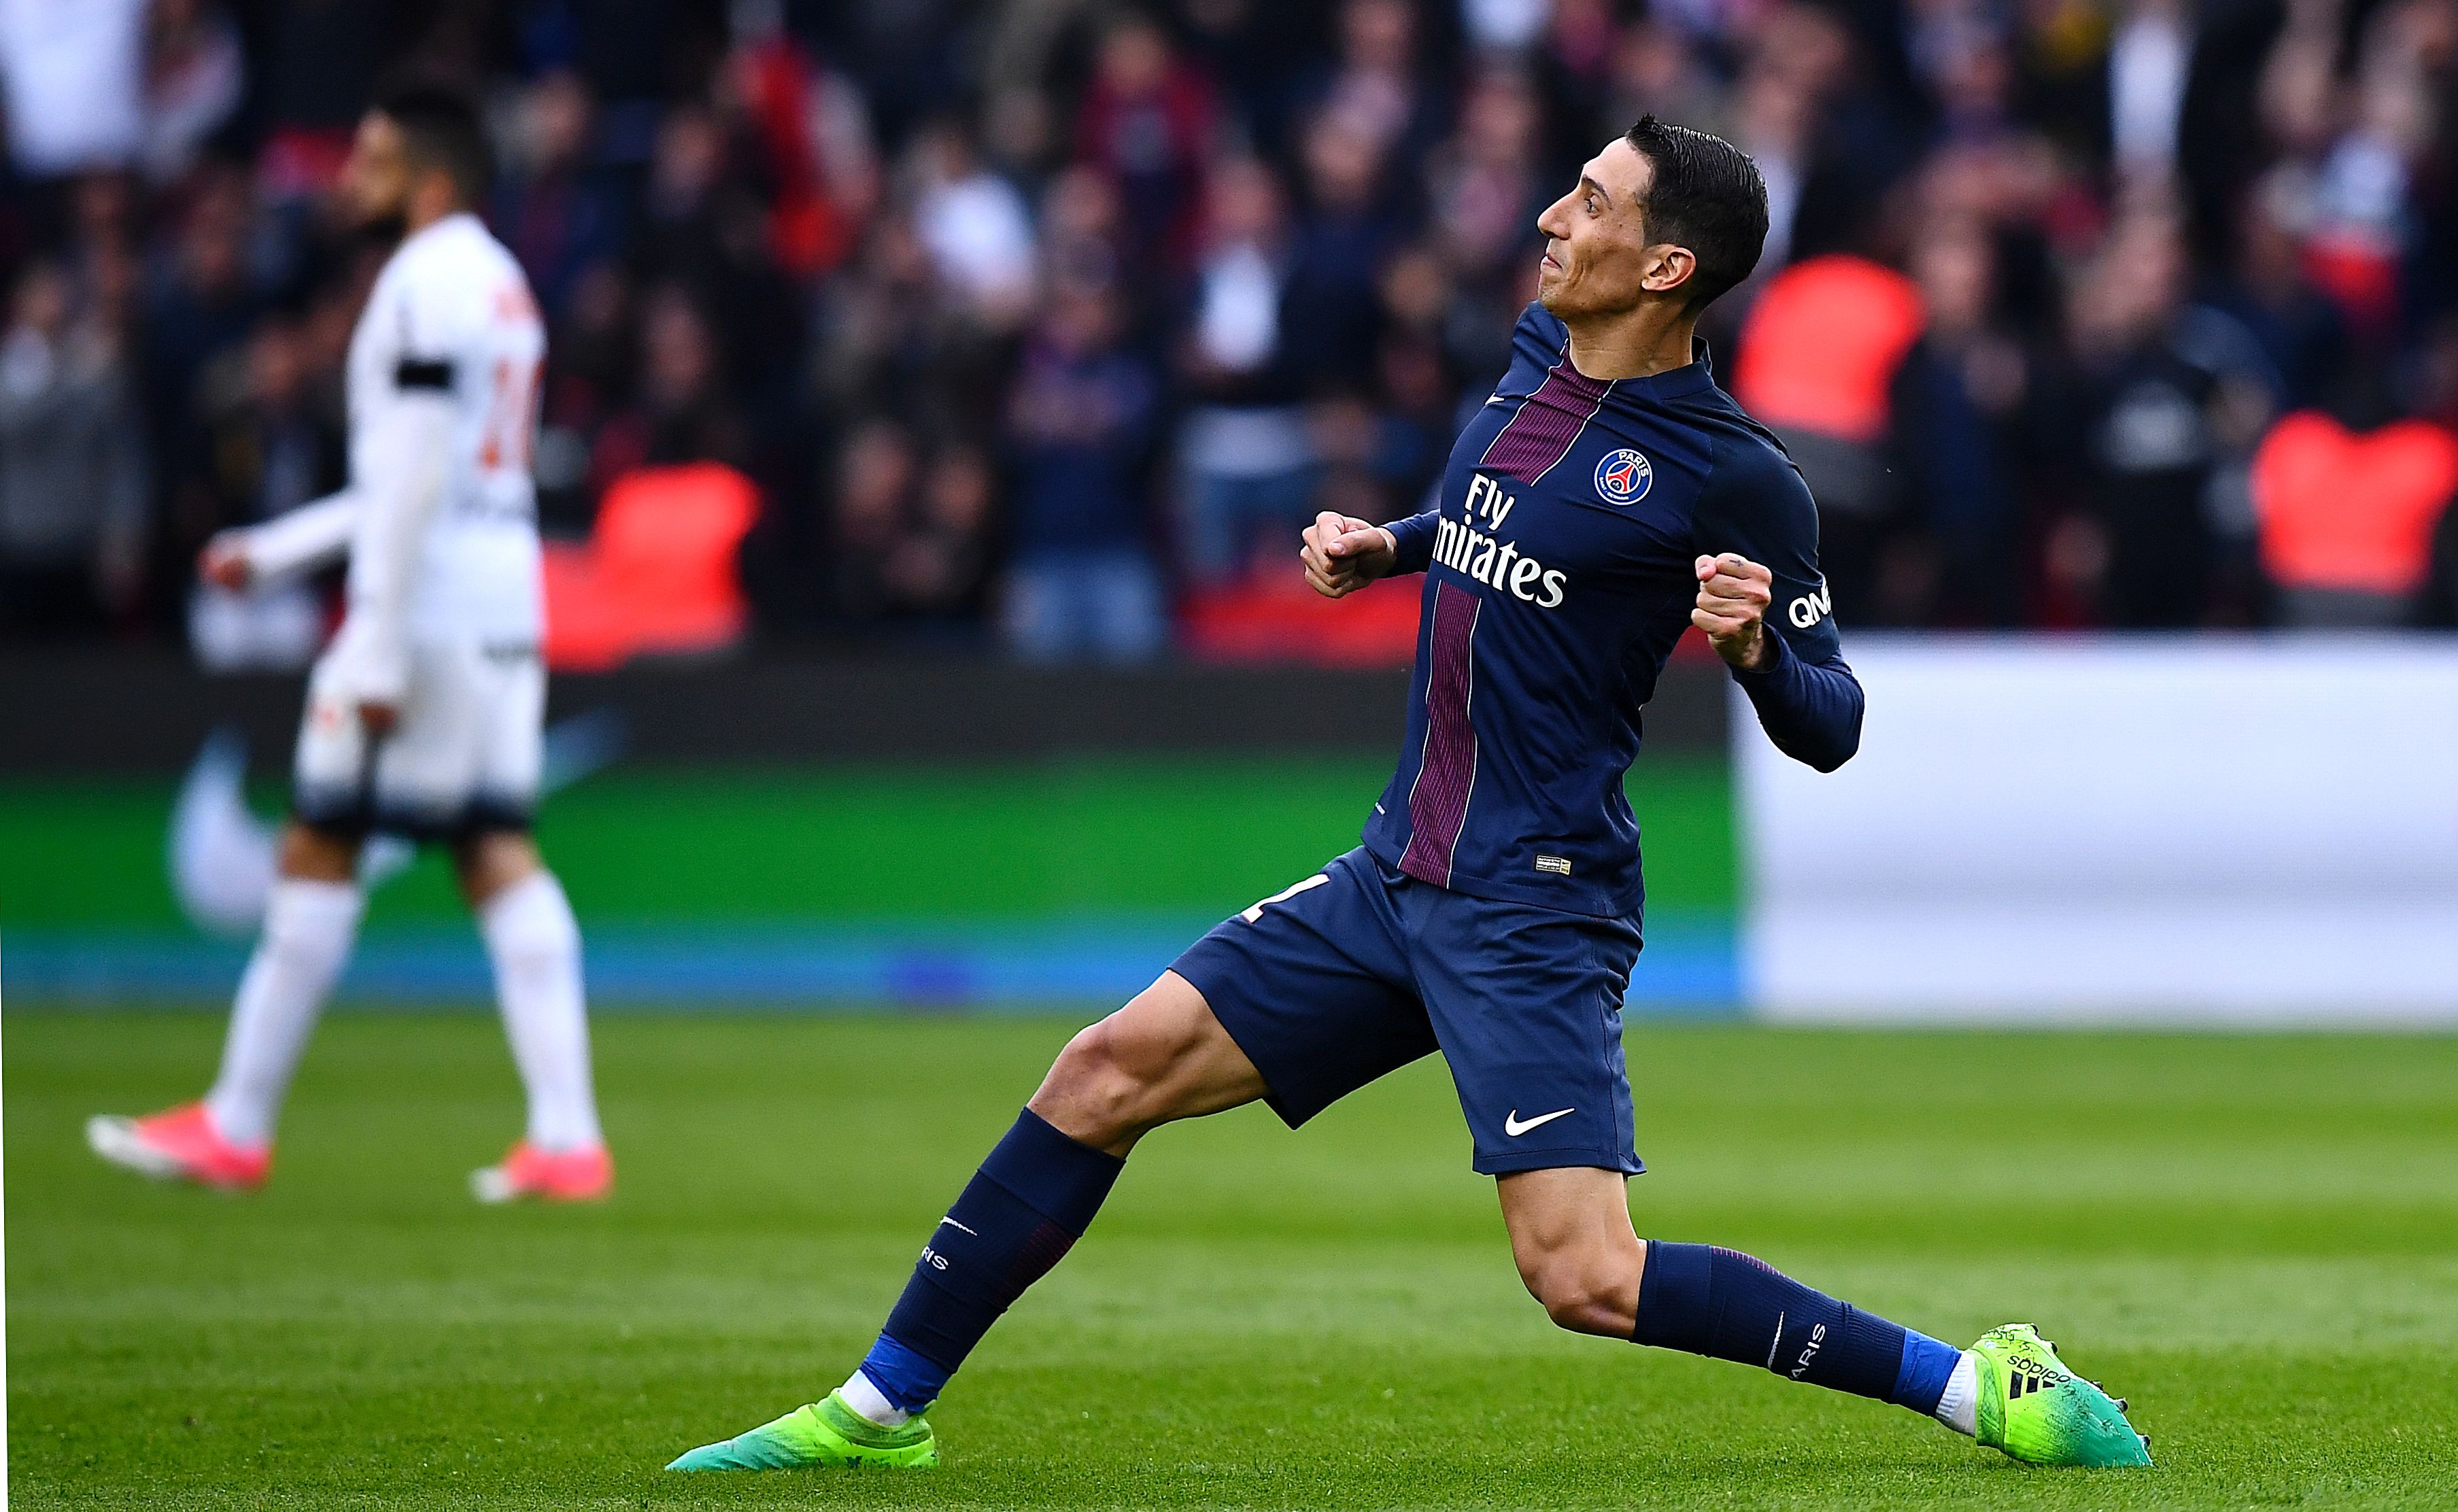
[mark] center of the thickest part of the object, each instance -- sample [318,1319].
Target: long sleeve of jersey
[397,476]
[1414,536]
[1806,698]
[303,540]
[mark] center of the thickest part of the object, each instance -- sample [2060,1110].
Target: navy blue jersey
[1560,571]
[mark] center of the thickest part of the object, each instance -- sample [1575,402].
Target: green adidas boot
[824,1434]
[2034,1408]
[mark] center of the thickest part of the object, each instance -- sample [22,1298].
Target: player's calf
[2010,1391]
[1031,1199]
[1161,1057]
[1572,1238]
[533,944]
[1704,1299]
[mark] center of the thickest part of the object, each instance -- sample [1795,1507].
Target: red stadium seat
[1821,345]
[658,573]
[2351,513]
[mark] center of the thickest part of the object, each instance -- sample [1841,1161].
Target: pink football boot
[179,1144]
[563,1176]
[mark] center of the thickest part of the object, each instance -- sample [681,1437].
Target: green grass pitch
[2256,1238]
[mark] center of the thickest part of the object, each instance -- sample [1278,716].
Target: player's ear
[1667,266]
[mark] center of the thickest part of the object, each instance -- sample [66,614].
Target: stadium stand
[2079,259]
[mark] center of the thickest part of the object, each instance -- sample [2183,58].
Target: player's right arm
[397,474]
[1343,553]
[302,541]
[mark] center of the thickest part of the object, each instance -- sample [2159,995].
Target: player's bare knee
[1589,1312]
[313,853]
[486,862]
[1584,1288]
[1579,1296]
[1098,1090]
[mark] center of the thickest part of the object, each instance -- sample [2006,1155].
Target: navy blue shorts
[1359,970]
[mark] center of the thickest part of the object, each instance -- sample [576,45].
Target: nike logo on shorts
[1512,1125]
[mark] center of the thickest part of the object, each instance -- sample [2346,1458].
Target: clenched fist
[1733,592]
[224,562]
[1343,553]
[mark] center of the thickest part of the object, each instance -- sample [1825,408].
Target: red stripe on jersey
[1447,772]
[1549,420]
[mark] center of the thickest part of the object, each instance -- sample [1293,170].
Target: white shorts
[463,757]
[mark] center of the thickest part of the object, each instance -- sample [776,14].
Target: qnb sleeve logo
[1810,608]
[1623,477]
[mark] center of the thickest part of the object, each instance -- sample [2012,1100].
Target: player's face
[375,181]
[1599,259]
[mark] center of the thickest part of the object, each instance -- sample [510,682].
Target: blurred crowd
[1044,324]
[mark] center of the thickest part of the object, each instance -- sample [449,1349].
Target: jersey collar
[1674,381]
[1671,384]
[438,226]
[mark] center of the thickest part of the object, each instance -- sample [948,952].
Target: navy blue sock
[1031,1199]
[1709,1300]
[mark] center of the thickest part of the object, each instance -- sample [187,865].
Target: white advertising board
[2156,829]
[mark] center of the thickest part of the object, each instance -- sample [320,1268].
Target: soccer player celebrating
[424,714]
[1607,497]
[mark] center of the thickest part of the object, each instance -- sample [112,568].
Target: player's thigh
[329,773]
[1527,1003]
[1313,983]
[426,768]
[1565,1209]
[509,738]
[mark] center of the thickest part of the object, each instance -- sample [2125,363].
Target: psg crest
[1623,477]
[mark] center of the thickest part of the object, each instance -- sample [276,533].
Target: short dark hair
[441,129]
[1706,195]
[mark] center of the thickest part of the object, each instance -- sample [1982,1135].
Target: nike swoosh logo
[953,1224]
[1512,1125]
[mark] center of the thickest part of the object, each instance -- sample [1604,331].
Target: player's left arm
[1765,607]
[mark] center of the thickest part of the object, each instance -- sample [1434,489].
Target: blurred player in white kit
[424,714]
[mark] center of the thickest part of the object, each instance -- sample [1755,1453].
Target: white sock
[309,929]
[872,1402]
[1959,1408]
[535,943]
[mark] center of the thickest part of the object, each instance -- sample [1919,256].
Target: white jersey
[451,314]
